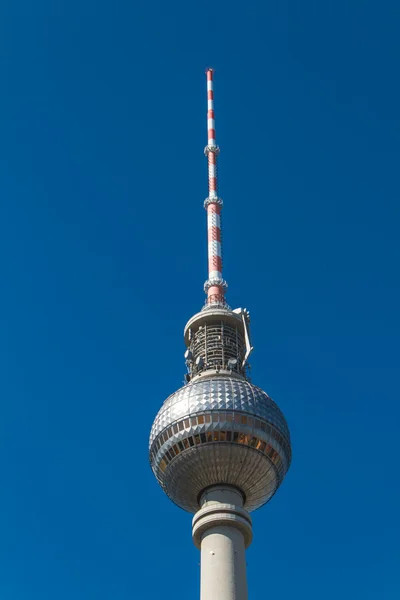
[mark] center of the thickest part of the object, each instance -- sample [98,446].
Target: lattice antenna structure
[215,286]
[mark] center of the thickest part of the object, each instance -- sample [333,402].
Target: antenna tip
[210,70]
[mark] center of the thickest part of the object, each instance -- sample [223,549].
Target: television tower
[219,446]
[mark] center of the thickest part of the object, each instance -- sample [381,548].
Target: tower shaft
[222,531]
[223,564]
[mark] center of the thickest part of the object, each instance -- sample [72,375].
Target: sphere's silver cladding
[219,429]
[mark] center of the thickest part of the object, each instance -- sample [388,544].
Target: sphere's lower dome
[219,430]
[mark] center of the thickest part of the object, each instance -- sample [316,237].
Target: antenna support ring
[213,200]
[214,149]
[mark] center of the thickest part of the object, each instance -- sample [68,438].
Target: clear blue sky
[102,242]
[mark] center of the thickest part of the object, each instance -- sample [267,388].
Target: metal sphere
[219,429]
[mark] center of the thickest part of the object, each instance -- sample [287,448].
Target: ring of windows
[233,436]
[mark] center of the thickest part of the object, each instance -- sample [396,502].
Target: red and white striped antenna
[215,286]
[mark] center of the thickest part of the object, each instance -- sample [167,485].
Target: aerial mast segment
[215,286]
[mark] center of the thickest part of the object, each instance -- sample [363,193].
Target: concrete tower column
[222,530]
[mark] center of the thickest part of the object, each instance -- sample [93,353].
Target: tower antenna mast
[215,286]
